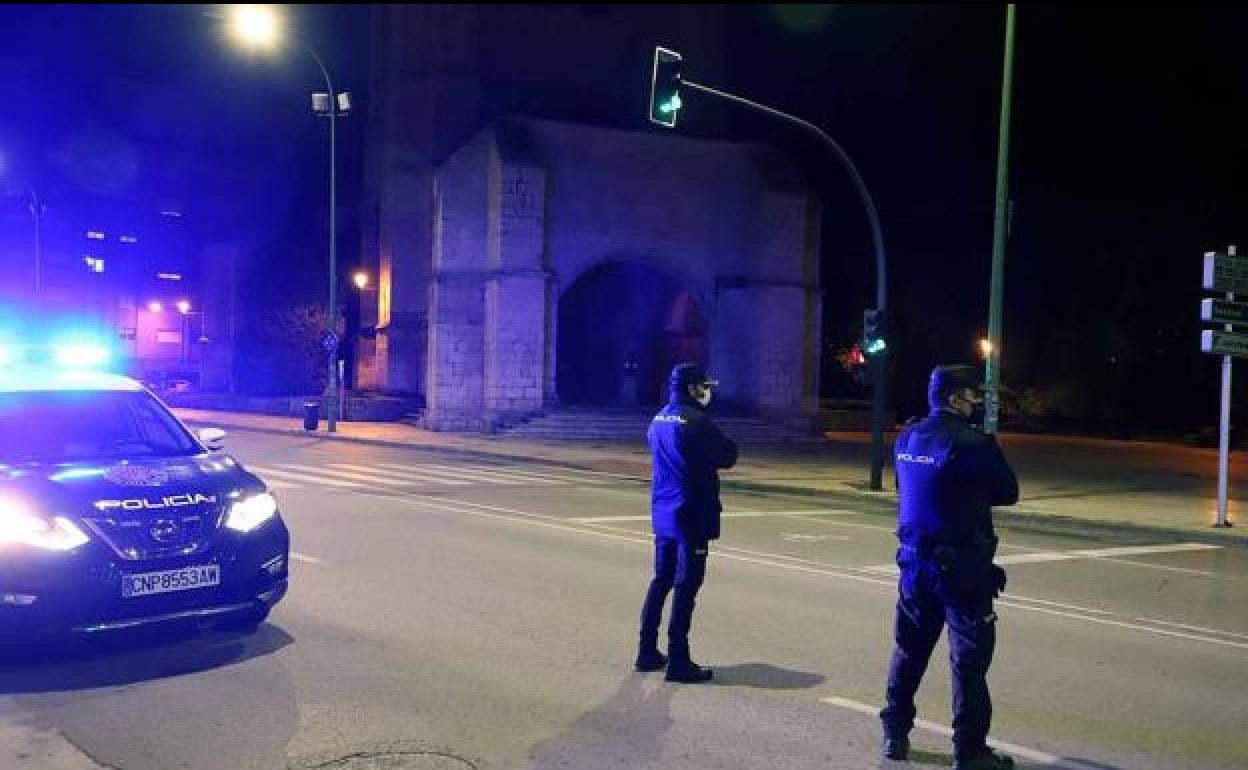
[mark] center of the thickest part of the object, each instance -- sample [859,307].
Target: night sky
[1126,166]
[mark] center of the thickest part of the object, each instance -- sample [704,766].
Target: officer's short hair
[949,379]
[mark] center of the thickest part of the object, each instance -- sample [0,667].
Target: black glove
[998,575]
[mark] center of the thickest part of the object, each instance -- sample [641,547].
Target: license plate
[165,581]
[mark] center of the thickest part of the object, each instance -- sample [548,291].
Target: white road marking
[275,484]
[304,477]
[725,515]
[559,475]
[1032,755]
[1041,557]
[775,560]
[1193,628]
[301,557]
[472,473]
[414,476]
[369,477]
[805,537]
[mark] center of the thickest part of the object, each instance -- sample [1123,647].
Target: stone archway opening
[622,326]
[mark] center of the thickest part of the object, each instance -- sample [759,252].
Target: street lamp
[259,25]
[985,347]
[360,279]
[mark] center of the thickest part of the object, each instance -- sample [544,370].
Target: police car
[114,515]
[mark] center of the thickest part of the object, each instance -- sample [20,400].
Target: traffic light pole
[992,367]
[879,368]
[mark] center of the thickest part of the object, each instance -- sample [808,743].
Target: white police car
[114,515]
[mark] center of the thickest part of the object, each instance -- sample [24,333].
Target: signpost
[1227,273]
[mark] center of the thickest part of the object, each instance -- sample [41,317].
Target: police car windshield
[77,426]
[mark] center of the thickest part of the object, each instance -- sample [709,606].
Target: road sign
[1225,273]
[1224,311]
[329,340]
[1224,343]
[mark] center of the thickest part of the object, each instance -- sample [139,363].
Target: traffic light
[873,343]
[665,87]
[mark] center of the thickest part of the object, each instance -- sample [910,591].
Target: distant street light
[985,347]
[155,307]
[260,25]
[184,307]
[361,280]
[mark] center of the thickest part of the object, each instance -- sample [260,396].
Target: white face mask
[705,398]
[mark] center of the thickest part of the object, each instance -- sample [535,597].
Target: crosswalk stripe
[475,474]
[304,477]
[370,478]
[505,474]
[275,484]
[464,477]
[402,478]
[558,476]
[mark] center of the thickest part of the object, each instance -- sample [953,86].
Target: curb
[1027,521]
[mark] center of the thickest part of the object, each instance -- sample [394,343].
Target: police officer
[949,475]
[688,450]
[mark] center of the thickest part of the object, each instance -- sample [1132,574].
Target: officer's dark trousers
[929,600]
[681,566]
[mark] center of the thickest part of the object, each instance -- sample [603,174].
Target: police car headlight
[249,513]
[21,526]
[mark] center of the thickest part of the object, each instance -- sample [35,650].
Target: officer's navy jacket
[949,475]
[688,451]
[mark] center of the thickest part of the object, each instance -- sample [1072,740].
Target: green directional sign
[1223,311]
[1225,273]
[1224,343]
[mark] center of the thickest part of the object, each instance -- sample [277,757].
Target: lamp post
[259,25]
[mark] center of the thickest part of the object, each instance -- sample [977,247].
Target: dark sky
[1126,165]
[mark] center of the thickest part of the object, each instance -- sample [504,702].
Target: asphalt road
[448,614]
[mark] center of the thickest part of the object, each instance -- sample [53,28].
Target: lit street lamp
[360,279]
[259,25]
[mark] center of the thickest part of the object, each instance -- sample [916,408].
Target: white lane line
[1033,755]
[469,473]
[1143,550]
[556,523]
[303,477]
[1046,602]
[725,515]
[1042,557]
[401,479]
[275,484]
[329,471]
[1199,629]
[303,557]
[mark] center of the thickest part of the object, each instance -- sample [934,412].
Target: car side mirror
[213,438]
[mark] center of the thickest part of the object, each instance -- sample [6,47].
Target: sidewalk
[1089,486]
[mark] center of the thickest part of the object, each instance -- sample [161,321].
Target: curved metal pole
[878,362]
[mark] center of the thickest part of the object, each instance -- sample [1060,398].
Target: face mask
[978,413]
[705,398]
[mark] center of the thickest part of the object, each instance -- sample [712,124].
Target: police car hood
[135,486]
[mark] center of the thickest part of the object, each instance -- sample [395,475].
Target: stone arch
[622,324]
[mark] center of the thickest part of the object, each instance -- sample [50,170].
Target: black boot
[650,659]
[985,760]
[688,673]
[895,747]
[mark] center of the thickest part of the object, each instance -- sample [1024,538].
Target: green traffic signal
[875,347]
[665,100]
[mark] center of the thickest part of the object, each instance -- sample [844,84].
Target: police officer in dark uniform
[688,451]
[949,475]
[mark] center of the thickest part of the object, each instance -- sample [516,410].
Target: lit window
[128,239]
[169,276]
[95,235]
